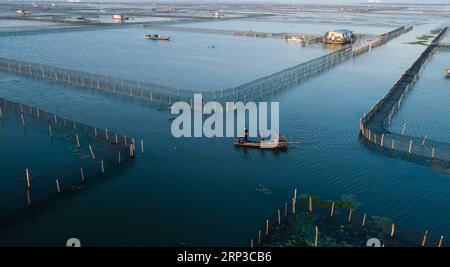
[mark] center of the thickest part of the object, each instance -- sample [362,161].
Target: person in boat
[245,135]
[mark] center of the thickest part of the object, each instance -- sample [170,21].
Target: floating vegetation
[436,31]
[417,43]
[311,222]
[262,189]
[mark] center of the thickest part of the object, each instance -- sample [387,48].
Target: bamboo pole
[27,176]
[267,228]
[293,205]
[316,239]
[310,204]
[103,166]
[364,220]
[50,130]
[23,120]
[332,209]
[92,152]
[424,239]
[441,241]
[279,216]
[82,174]
[78,140]
[350,212]
[392,230]
[57,186]
[142,146]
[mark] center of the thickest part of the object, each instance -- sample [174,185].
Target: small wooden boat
[276,143]
[157,37]
[447,73]
[261,144]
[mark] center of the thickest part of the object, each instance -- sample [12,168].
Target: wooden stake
[440,241]
[57,186]
[82,174]
[350,215]
[410,147]
[119,157]
[131,151]
[27,175]
[392,230]
[78,140]
[23,120]
[364,220]
[50,130]
[279,216]
[310,204]
[433,152]
[424,139]
[92,152]
[332,209]
[259,237]
[424,239]
[103,167]
[1,113]
[142,146]
[316,239]
[251,243]
[293,205]
[285,210]
[267,228]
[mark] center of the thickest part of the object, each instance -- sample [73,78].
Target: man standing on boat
[245,135]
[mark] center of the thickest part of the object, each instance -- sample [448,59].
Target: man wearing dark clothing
[245,134]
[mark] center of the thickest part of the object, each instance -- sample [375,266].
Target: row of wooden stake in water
[279,221]
[37,113]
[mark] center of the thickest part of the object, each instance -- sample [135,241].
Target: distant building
[339,37]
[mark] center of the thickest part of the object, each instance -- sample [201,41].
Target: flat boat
[157,37]
[262,144]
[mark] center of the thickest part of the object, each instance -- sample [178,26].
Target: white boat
[294,39]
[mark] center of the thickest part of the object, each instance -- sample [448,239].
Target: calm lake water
[201,191]
[426,111]
[125,53]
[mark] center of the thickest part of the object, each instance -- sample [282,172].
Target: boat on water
[23,12]
[294,39]
[339,37]
[157,37]
[275,143]
[447,73]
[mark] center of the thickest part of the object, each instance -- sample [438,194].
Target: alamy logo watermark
[211,119]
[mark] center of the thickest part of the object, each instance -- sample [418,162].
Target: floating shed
[339,37]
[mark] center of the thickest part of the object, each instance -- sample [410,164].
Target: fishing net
[60,155]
